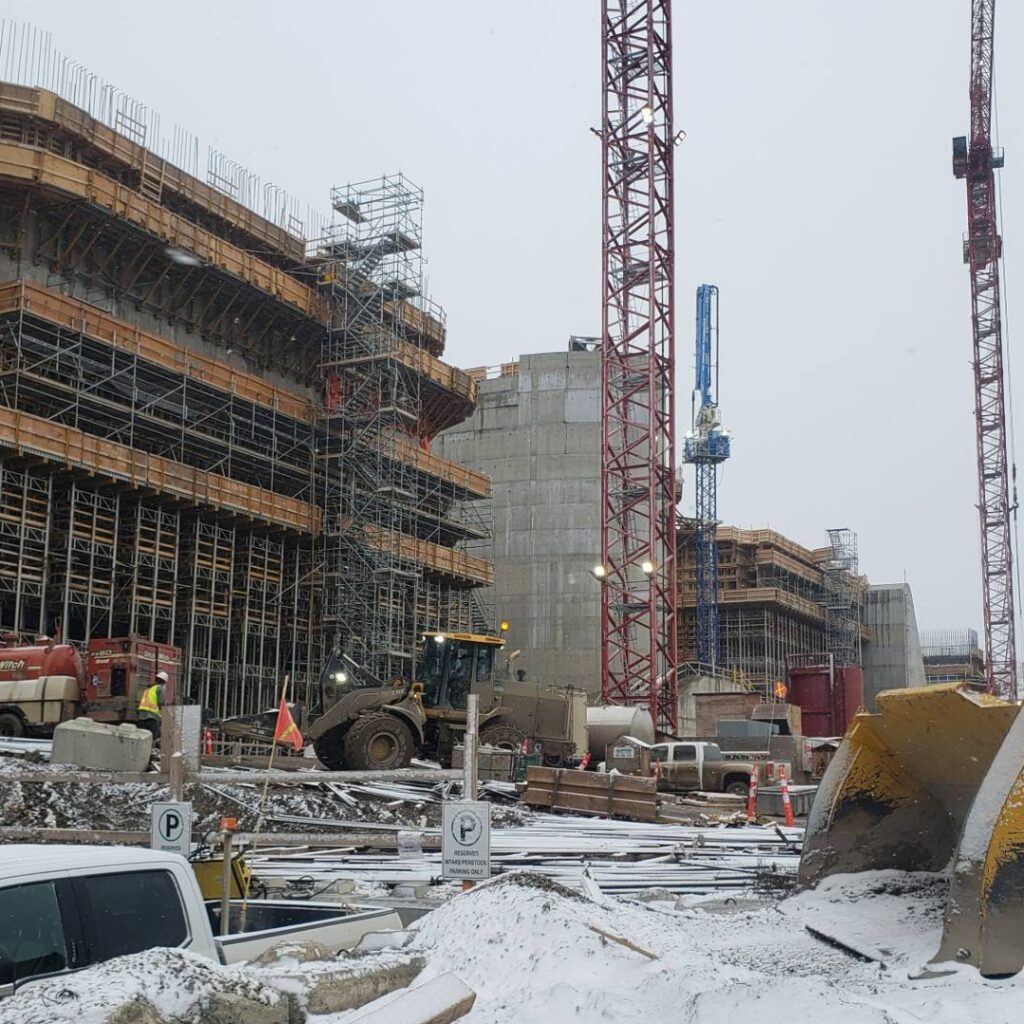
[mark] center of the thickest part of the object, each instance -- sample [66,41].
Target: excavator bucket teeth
[934,780]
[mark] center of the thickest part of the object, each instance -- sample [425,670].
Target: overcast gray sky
[814,188]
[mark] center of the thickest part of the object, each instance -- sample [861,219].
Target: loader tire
[378,742]
[11,725]
[329,749]
[502,736]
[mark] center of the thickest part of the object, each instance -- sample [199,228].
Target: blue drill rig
[706,447]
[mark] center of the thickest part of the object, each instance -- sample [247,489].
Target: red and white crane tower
[976,161]
[638,478]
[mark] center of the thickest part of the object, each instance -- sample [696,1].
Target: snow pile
[158,985]
[533,951]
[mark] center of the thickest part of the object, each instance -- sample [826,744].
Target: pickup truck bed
[269,922]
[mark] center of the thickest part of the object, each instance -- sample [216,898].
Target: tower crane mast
[707,446]
[638,475]
[975,161]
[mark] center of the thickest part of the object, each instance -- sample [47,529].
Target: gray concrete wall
[892,657]
[537,434]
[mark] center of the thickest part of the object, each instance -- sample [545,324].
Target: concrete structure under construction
[953,656]
[776,598]
[892,655]
[536,433]
[215,425]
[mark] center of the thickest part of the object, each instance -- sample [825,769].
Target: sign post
[470,774]
[171,829]
[466,840]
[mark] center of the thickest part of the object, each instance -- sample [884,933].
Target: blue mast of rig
[706,446]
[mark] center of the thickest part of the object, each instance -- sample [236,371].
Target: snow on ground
[528,948]
[176,984]
[536,952]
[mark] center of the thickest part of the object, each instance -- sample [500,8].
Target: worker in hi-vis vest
[153,699]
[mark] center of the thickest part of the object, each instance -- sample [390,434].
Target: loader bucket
[935,780]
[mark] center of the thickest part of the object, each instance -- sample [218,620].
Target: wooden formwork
[66,178]
[445,561]
[157,177]
[79,316]
[33,435]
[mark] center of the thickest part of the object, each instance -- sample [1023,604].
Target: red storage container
[809,689]
[827,706]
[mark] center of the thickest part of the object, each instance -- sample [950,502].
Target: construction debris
[620,857]
[607,794]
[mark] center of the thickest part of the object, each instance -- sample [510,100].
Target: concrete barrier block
[89,744]
[333,986]
[232,1008]
[441,1000]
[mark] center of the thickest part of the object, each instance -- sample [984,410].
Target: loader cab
[451,664]
[338,677]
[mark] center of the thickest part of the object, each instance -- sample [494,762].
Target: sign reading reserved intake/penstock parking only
[466,840]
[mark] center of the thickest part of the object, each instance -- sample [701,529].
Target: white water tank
[607,723]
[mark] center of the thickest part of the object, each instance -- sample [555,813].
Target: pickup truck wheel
[738,788]
[329,749]
[378,742]
[11,725]
[504,737]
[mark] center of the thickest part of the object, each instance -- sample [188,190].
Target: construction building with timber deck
[214,427]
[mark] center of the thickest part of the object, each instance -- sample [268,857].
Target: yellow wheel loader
[361,722]
[934,782]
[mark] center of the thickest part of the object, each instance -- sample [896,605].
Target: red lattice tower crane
[638,481]
[976,161]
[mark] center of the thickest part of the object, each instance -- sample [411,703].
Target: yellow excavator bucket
[933,782]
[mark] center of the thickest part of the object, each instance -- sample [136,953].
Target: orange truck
[45,683]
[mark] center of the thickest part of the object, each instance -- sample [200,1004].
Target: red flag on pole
[286,731]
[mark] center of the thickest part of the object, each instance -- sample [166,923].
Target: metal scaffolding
[215,432]
[776,599]
[843,612]
[379,594]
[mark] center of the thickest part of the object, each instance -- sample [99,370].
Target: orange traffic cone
[787,807]
[752,795]
[208,741]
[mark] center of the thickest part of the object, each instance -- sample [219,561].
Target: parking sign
[466,840]
[171,829]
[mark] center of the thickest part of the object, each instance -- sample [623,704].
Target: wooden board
[610,796]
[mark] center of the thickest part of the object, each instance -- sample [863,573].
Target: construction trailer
[215,424]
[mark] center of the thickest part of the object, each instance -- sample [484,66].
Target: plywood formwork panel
[124,157]
[25,433]
[28,165]
[445,561]
[47,106]
[76,315]
[40,105]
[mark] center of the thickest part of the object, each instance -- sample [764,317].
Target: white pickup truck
[63,908]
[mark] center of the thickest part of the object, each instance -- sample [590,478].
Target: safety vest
[149,702]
